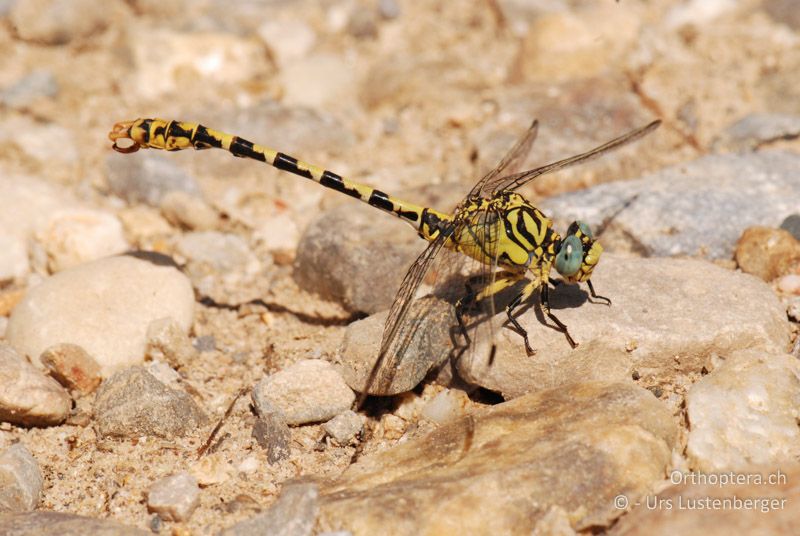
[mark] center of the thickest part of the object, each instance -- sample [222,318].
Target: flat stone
[104,306]
[308,391]
[354,275]
[46,523]
[175,497]
[500,471]
[132,403]
[694,507]
[686,209]
[745,413]
[293,514]
[28,397]
[659,325]
[20,480]
[754,130]
[72,367]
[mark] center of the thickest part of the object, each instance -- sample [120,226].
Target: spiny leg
[545,305]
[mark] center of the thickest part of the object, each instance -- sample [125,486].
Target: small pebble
[766,252]
[393,426]
[133,403]
[27,396]
[308,391]
[790,284]
[188,211]
[175,497]
[792,224]
[72,367]
[294,513]
[388,9]
[205,343]
[344,427]
[445,406]
[168,341]
[272,433]
[20,480]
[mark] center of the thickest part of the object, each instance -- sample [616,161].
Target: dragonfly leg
[521,298]
[545,305]
[601,299]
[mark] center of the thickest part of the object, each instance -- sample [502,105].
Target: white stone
[308,391]
[72,237]
[104,306]
[28,396]
[175,497]
[745,413]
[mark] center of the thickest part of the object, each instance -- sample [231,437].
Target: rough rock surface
[576,447]
[28,397]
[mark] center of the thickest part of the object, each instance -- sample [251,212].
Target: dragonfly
[513,241]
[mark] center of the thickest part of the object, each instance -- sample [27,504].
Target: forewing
[513,182]
[510,162]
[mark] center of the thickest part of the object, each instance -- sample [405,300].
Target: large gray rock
[293,514]
[697,208]
[502,471]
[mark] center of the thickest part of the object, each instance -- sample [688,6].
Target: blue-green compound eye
[570,256]
[585,229]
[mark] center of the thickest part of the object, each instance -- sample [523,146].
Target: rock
[147,177]
[104,306]
[355,274]
[186,58]
[363,23]
[46,523]
[783,12]
[287,40]
[143,224]
[598,37]
[688,209]
[205,343]
[29,397]
[446,406]
[658,325]
[790,284]
[32,138]
[38,84]
[72,367]
[73,237]
[338,75]
[792,224]
[164,373]
[272,433]
[174,498]
[422,343]
[344,427]
[499,472]
[308,391]
[212,251]
[767,253]
[25,205]
[293,514]
[188,211]
[56,22]
[20,481]
[167,341]
[745,413]
[697,508]
[754,130]
[283,243]
[698,12]
[388,9]
[133,403]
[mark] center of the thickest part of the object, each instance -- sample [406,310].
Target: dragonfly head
[577,253]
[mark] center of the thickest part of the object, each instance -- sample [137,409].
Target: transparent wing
[380,376]
[512,182]
[510,162]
